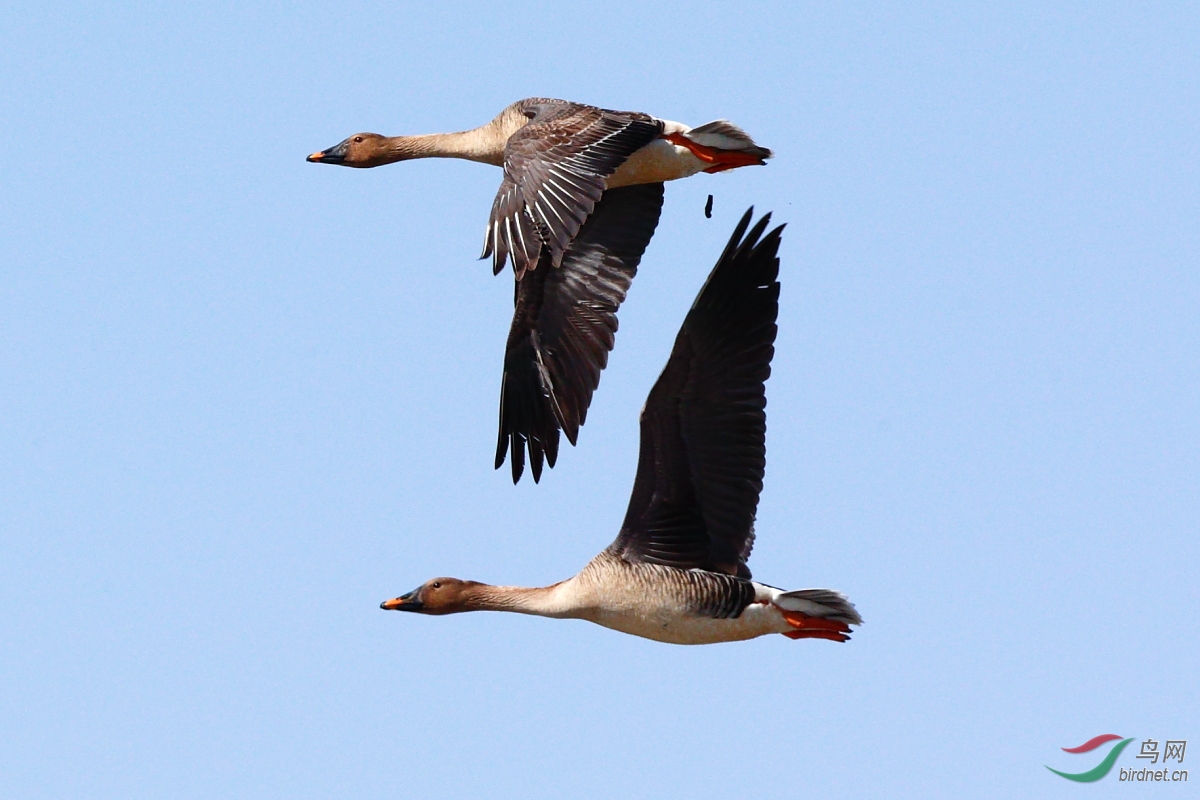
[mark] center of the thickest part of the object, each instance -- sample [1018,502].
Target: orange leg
[720,159]
[831,636]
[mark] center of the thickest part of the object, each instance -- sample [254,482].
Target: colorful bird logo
[1100,770]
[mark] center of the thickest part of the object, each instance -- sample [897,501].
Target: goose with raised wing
[677,570]
[563,163]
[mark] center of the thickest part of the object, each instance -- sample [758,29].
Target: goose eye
[437,584]
[358,138]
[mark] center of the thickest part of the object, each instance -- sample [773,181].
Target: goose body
[563,163]
[676,606]
[677,571]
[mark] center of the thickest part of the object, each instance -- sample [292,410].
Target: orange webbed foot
[830,635]
[814,627]
[721,160]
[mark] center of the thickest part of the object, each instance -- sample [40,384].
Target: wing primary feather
[702,455]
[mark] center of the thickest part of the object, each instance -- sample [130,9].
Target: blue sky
[246,398]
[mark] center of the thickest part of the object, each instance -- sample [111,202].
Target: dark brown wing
[554,173]
[703,448]
[563,327]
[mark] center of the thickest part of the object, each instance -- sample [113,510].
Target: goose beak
[334,155]
[405,602]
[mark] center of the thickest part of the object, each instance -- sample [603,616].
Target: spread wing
[703,444]
[555,169]
[563,327]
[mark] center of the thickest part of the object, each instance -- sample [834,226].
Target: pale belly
[658,161]
[673,627]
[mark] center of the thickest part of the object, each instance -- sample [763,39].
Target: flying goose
[563,165]
[677,571]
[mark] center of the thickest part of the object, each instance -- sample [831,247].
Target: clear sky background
[243,399]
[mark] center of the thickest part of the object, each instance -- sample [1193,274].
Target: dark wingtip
[754,242]
[751,240]
[535,460]
[735,238]
[743,245]
[516,455]
[501,438]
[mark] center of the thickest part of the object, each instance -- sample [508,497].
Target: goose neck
[546,601]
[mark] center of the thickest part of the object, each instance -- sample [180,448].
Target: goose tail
[721,134]
[817,614]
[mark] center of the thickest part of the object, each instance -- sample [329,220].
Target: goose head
[360,150]
[437,596]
